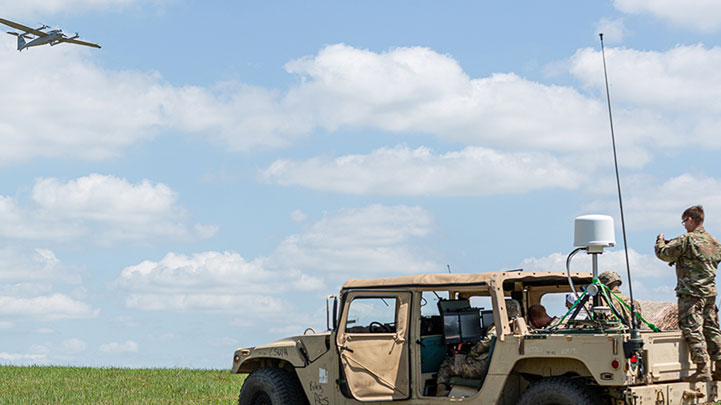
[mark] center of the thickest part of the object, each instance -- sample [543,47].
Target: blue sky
[215,170]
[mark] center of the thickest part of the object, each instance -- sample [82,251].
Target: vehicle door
[372,341]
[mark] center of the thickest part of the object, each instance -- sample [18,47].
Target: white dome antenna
[594,232]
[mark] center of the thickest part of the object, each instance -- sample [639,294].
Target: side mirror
[335,312]
[328,320]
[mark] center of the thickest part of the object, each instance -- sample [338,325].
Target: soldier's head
[570,300]
[610,279]
[692,218]
[513,309]
[537,316]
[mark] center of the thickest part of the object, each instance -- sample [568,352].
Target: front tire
[558,391]
[271,386]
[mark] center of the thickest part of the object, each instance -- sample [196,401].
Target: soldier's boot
[717,372]
[442,390]
[703,373]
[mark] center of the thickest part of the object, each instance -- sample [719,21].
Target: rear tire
[271,386]
[558,391]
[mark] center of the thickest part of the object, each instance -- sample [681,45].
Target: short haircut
[537,311]
[695,213]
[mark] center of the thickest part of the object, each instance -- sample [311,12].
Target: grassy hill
[73,385]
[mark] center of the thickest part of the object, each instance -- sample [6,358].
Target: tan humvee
[386,342]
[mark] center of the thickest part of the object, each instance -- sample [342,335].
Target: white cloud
[21,223]
[647,272]
[209,281]
[613,30]
[362,242]
[92,114]
[104,207]
[96,113]
[262,305]
[472,171]
[28,8]
[34,266]
[418,90]
[656,207]
[40,349]
[128,346]
[55,306]
[224,271]
[642,266]
[678,89]
[22,358]
[28,279]
[371,240]
[74,346]
[413,90]
[105,198]
[225,341]
[685,77]
[704,15]
[298,216]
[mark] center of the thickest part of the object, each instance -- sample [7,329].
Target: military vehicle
[386,341]
[387,338]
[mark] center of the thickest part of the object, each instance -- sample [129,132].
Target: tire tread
[558,391]
[282,387]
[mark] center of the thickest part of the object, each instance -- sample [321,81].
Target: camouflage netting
[662,314]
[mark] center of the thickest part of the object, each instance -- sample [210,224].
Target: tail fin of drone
[21,42]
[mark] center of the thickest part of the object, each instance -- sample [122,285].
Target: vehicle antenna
[449,268]
[634,322]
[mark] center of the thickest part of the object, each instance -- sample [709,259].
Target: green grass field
[72,385]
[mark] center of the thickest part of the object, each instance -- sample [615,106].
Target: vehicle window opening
[372,315]
[456,324]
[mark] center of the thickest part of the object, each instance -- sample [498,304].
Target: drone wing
[23,28]
[76,42]
[15,34]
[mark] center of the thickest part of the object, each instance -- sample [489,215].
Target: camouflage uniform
[473,364]
[625,311]
[469,365]
[609,278]
[697,254]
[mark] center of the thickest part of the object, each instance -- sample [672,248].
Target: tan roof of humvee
[467,279]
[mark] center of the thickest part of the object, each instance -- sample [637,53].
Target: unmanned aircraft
[38,36]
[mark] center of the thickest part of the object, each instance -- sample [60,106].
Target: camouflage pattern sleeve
[483,345]
[696,265]
[670,251]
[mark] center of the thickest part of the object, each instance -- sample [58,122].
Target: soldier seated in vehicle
[613,281]
[473,364]
[570,300]
[538,318]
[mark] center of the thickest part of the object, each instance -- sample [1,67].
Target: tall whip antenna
[634,322]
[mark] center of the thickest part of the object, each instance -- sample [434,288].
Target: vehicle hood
[297,350]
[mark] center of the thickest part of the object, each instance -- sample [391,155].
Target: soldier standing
[697,255]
